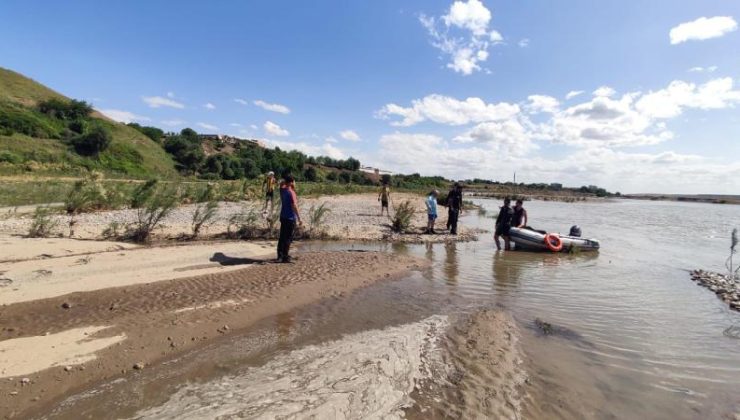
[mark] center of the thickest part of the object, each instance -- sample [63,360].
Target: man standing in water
[268,186]
[503,224]
[454,207]
[384,197]
[289,216]
[519,219]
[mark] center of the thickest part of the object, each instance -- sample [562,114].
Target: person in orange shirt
[268,187]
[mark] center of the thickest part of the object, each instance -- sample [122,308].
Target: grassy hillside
[34,142]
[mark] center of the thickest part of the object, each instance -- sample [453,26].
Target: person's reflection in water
[430,251]
[451,268]
[285,322]
[507,269]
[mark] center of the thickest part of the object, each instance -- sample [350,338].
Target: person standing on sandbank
[454,207]
[503,224]
[268,187]
[431,203]
[384,197]
[289,218]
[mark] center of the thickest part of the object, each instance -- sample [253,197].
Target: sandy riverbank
[85,331]
[352,217]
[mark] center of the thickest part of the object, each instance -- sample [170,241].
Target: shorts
[384,204]
[502,230]
[432,217]
[270,195]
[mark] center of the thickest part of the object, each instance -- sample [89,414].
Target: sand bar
[40,279]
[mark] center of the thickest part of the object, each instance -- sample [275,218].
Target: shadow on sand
[223,259]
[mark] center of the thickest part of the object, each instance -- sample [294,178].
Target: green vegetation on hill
[45,133]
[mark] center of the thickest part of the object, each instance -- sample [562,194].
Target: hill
[43,141]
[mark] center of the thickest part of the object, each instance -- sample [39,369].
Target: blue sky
[462,89]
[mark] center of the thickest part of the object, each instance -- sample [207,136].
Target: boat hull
[535,241]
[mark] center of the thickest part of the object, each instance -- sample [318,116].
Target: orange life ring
[557,246]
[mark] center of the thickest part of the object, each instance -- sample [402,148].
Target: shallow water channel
[632,335]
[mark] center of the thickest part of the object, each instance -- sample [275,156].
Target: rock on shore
[723,285]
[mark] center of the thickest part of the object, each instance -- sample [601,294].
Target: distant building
[376,171]
[231,140]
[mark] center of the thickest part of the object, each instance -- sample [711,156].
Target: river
[633,336]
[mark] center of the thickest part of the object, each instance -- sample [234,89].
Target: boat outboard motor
[575,230]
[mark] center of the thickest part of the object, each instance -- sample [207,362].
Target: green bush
[43,224]
[17,119]
[402,215]
[65,110]
[92,142]
[10,157]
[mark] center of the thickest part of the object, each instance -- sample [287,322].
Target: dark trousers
[452,220]
[287,227]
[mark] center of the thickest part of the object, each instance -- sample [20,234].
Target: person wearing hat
[431,203]
[454,207]
[268,186]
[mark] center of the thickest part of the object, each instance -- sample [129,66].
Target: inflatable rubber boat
[536,240]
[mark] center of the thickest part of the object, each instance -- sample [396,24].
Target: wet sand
[83,337]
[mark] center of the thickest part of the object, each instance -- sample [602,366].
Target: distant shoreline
[691,198]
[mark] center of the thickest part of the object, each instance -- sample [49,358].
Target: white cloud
[447,110]
[710,69]
[605,91]
[207,126]
[670,102]
[170,94]
[253,126]
[159,101]
[542,103]
[326,149]
[667,171]
[331,140]
[209,105]
[471,15]
[241,101]
[173,123]
[349,135]
[463,34]
[507,137]
[702,28]
[123,116]
[572,94]
[524,42]
[274,129]
[235,124]
[282,109]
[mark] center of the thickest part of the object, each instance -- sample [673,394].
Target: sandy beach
[351,217]
[93,311]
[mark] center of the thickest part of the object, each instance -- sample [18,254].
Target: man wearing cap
[268,186]
[454,207]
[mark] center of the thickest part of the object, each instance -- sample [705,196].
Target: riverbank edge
[157,335]
[726,288]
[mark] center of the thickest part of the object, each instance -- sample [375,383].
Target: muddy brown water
[632,336]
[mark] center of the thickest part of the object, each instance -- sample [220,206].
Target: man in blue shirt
[289,216]
[431,204]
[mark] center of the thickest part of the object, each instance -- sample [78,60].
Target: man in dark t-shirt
[454,207]
[289,218]
[503,224]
